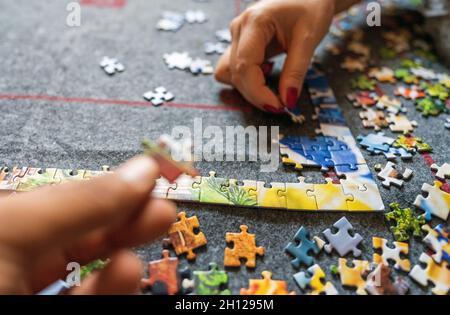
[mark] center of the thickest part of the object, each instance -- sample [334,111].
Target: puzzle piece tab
[244,246]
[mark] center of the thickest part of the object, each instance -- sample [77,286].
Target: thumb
[58,215]
[295,67]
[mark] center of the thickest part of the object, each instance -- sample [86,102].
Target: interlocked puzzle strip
[330,196]
[439,275]
[182,236]
[342,241]
[244,247]
[313,279]
[211,282]
[302,248]
[266,286]
[437,202]
[353,276]
[163,272]
[437,239]
[389,253]
[297,195]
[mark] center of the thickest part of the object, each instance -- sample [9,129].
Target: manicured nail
[139,171]
[272,109]
[292,97]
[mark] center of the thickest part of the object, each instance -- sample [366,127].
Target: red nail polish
[292,97]
[272,109]
[267,67]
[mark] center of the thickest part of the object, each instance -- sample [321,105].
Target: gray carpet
[40,55]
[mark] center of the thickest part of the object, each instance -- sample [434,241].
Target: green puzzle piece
[429,106]
[405,221]
[362,82]
[403,74]
[411,143]
[211,282]
[436,90]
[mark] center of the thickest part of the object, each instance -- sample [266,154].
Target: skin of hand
[42,231]
[267,29]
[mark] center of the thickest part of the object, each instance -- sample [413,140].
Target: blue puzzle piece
[394,152]
[344,157]
[301,248]
[332,116]
[376,143]
[335,144]
[322,158]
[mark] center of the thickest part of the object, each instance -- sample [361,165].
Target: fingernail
[272,109]
[140,172]
[292,97]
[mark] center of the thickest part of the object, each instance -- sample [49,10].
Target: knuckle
[296,74]
[258,17]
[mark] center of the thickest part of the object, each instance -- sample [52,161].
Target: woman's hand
[42,231]
[269,28]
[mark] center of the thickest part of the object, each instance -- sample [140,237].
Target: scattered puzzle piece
[313,279]
[391,104]
[195,16]
[163,277]
[363,83]
[224,35]
[353,64]
[400,123]
[376,143]
[439,275]
[215,48]
[266,286]
[111,65]
[211,282]
[353,276]
[442,172]
[404,75]
[405,222]
[158,96]
[437,239]
[409,93]
[429,106]
[362,99]
[383,74]
[437,202]
[373,119]
[389,253]
[391,176]
[301,248]
[170,21]
[359,48]
[379,282]
[201,66]
[183,238]
[342,241]
[177,60]
[244,246]
[411,144]
[436,90]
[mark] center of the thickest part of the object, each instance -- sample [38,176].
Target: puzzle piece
[405,222]
[439,275]
[301,248]
[158,96]
[437,202]
[404,75]
[297,197]
[400,123]
[373,119]
[391,176]
[362,82]
[353,64]
[411,93]
[375,143]
[195,16]
[184,189]
[394,152]
[213,189]
[342,241]
[163,277]
[437,239]
[177,60]
[379,282]
[211,282]
[389,253]
[424,73]
[442,172]
[183,238]
[162,188]
[391,104]
[411,144]
[266,286]
[359,48]
[436,90]
[201,66]
[383,74]
[447,123]
[224,35]
[215,48]
[244,246]
[111,65]
[429,106]
[313,279]
[353,276]
[330,196]
[362,99]
[170,21]
[272,195]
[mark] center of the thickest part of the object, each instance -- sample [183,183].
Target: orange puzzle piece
[183,238]
[244,247]
[163,271]
[266,286]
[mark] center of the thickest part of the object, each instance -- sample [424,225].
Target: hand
[42,231]
[266,29]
